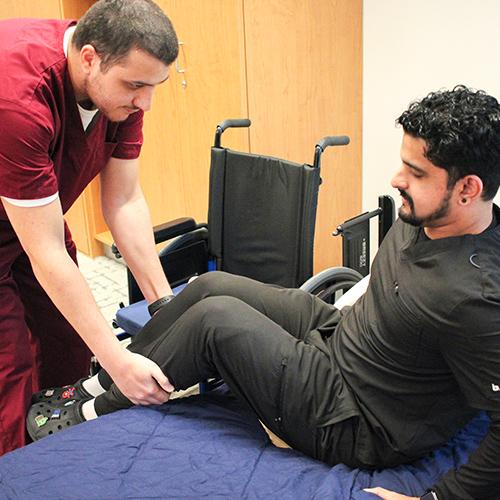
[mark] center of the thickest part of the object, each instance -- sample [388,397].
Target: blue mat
[200,447]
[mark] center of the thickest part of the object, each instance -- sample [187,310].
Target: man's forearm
[67,288]
[131,227]
[139,379]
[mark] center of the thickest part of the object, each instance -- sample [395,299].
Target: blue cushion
[133,317]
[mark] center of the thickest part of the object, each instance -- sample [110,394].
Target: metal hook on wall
[178,67]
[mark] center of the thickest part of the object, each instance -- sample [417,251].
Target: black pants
[267,344]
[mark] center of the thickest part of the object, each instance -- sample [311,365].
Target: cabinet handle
[178,67]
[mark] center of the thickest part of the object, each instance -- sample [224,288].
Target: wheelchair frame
[333,282]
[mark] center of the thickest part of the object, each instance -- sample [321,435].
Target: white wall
[412,47]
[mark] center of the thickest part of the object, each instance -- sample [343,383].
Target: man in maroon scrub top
[72,98]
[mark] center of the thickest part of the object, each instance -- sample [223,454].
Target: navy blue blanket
[202,446]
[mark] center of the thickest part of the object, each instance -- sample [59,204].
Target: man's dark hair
[114,27]
[461,128]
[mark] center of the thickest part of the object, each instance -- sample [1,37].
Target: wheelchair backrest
[261,218]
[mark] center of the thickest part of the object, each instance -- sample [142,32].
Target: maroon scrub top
[43,147]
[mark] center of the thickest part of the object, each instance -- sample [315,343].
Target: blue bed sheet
[204,446]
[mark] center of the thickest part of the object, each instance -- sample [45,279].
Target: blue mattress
[204,446]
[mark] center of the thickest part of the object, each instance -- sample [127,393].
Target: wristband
[155,306]
[429,495]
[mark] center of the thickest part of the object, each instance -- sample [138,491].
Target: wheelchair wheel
[330,284]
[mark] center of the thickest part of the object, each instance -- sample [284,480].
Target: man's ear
[470,188]
[88,57]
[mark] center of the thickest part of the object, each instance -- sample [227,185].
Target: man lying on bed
[387,380]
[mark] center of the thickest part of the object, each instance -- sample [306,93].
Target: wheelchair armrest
[167,231]
[173,228]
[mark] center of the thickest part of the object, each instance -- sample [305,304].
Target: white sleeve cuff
[32,203]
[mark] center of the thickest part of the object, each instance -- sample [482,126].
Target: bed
[204,446]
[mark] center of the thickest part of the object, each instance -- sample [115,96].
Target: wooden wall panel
[180,127]
[304,65]
[74,9]
[30,8]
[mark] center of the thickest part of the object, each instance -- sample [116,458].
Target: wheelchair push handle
[332,140]
[231,123]
[234,123]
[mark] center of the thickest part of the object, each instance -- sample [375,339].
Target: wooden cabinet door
[30,8]
[206,86]
[304,64]
[74,9]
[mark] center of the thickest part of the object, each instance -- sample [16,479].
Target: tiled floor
[107,279]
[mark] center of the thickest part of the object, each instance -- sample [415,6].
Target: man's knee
[218,307]
[207,331]
[212,284]
[218,315]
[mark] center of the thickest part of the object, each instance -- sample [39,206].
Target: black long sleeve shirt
[421,353]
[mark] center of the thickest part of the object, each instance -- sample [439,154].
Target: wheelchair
[261,221]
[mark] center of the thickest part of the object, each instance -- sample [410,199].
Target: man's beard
[411,217]
[96,100]
[88,105]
